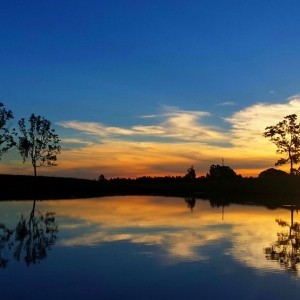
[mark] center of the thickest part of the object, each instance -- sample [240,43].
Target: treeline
[277,189]
[216,172]
[156,179]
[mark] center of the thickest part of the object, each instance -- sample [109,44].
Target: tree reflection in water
[286,250]
[30,238]
[191,202]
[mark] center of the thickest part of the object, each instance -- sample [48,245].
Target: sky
[149,88]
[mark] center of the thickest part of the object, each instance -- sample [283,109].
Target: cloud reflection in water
[179,233]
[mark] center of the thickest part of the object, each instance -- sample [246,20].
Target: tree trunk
[291,163]
[34,169]
[34,184]
[33,210]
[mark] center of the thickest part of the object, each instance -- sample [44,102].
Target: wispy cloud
[76,141]
[176,124]
[184,139]
[148,116]
[175,140]
[228,103]
[94,128]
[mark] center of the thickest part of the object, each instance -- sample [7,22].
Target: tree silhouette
[191,202]
[101,178]
[271,172]
[286,136]
[221,172]
[286,250]
[5,237]
[7,141]
[39,142]
[191,173]
[30,239]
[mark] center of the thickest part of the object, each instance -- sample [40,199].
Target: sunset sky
[146,87]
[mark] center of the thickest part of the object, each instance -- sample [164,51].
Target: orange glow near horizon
[146,159]
[118,210]
[179,139]
[174,227]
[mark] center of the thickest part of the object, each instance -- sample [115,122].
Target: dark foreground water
[146,247]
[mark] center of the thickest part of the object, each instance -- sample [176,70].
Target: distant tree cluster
[37,141]
[271,172]
[216,172]
[150,179]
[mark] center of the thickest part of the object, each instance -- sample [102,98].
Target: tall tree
[286,136]
[7,141]
[191,173]
[39,142]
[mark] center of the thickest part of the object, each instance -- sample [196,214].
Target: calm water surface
[146,247]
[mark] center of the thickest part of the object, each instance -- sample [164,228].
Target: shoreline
[268,191]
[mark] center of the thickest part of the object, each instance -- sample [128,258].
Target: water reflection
[149,247]
[191,202]
[29,239]
[286,249]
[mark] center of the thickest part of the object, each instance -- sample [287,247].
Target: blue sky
[119,76]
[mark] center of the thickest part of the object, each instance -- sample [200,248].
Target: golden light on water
[169,224]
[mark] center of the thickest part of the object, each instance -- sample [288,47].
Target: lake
[147,247]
